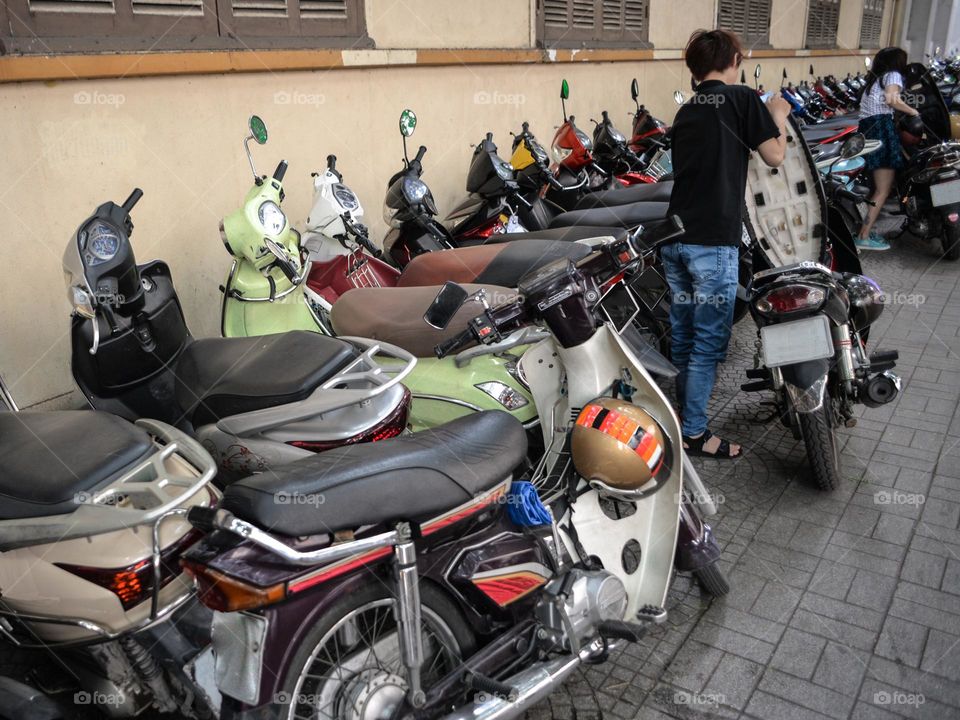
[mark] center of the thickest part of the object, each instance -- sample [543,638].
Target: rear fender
[806,384]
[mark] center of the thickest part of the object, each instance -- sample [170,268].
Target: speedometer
[102,244]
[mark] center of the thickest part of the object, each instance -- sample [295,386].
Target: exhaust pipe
[881,389]
[532,685]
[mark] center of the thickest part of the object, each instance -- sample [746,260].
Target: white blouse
[875,102]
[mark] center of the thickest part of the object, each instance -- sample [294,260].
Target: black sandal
[695,448]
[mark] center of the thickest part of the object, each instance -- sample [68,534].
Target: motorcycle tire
[712,580]
[820,439]
[951,242]
[438,615]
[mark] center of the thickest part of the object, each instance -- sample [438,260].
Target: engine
[574,605]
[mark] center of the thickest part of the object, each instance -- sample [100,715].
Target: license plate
[945,193]
[796,341]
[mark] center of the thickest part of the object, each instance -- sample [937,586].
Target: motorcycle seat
[826,152]
[649,192]
[48,458]
[567,234]
[502,264]
[624,216]
[395,315]
[816,135]
[838,123]
[220,377]
[412,477]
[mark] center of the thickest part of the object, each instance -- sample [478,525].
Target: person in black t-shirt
[712,137]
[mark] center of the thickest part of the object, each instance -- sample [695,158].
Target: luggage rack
[137,497]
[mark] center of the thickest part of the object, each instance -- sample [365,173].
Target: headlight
[390,216]
[560,153]
[272,218]
[585,139]
[414,190]
[504,170]
[80,301]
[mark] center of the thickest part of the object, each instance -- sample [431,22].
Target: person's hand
[779,108]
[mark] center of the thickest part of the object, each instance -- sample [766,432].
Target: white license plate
[796,341]
[945,193]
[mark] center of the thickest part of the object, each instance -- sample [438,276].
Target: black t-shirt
[711,138]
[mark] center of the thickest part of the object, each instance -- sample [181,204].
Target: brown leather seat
[460,265]
[395,315]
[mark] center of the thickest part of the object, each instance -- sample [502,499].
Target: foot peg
[883,360]
[482,683]
[757,386]
[622,630]
[651,614]
[758,373]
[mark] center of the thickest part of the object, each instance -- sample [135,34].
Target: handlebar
[331,162]
[132,200]
[420,153]
[454,343]
[280,171]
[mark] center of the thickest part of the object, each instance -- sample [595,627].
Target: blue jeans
[703,284]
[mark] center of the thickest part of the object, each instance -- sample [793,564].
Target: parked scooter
[489,592]
[812,321]
[92,529]
[253,402]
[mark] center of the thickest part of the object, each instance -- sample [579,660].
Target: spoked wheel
[820,438]
[349,665]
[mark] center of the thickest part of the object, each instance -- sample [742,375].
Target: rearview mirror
[258,129]
[678,97]
[564,90]
[811,69]
[867,62]
[852,145]
[408,122]
[756,72]
[634,89]
[743,77]
[784,73]
[445,305]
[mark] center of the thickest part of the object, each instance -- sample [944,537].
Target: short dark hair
[712,50]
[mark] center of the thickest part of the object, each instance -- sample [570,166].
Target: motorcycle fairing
[591,369]
[787,206]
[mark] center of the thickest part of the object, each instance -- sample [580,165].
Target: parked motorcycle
[812,321]
[490,591]
[91,532]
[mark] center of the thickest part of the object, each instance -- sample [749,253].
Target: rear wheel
[820,439]
[349,664]
[712,581]
[951,241]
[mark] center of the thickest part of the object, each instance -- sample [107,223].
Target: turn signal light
[391,426]
[226,594]
[790,298]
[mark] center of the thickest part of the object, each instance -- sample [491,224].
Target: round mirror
[756,72]
[678,97]
[408,122]
[852,145]
[743,76]
[784,73]
[867,62]
[258,129]
[634,89]
[564,89]
[811,69]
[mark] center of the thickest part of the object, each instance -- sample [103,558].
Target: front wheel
[951,241]
[349,664]
[712,581]
[820,438]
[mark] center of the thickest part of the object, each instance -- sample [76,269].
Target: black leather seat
[412,477]
[519,258]
[567,234]
[816,135]
[49,457]
[623,216]
[836,123]
[648,192]
[829,151]
[220,377]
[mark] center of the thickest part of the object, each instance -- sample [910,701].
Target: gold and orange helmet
[620,449]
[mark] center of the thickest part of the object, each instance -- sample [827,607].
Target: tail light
[790,298]
[493,226]
[391,426]
[134,584]
[226,594]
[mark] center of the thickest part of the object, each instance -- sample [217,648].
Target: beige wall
[788,23]
[70,145]
[448,24]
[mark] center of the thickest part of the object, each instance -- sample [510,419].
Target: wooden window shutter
[585,23]
[871,23]
[822,20]
[750,19]
[290,18]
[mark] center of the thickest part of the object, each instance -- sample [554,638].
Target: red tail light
[226,594]
[493,226]
[790,298]
[391,426]
[134,584]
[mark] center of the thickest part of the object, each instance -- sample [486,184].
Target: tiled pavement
[842,604]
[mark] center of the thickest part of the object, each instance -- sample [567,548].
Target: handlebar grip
[552,181]
[456,342]
[420,153]
[280,171]
[331,162]
[132,200]
[202,518]
[490,136]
